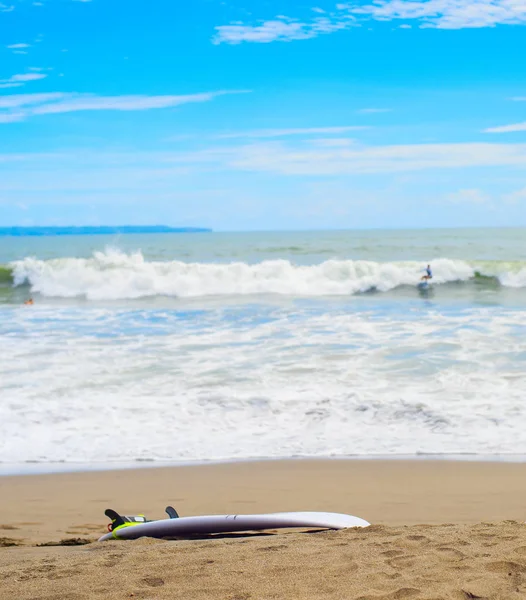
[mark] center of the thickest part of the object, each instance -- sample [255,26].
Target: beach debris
[7,542]
[67,542]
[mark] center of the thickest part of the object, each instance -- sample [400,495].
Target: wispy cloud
[23,100]
[469,196]
[10,117]
[332,142]
[298,159]
[280,158]
[440,14]
[5,9]
[18,46]
[507,128]
[446,14]
[516,197]
[275,133]
[20,107]
[17,80]
[282,29]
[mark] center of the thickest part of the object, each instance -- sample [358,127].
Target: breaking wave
[112,275]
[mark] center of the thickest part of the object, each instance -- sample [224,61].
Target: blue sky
[244,115]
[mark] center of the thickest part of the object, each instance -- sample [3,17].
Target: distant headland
[90,230]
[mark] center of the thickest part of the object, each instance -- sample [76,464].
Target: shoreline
[29,469]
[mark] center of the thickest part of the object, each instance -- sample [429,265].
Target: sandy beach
[439,530]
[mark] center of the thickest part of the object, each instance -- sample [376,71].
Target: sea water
[220,346]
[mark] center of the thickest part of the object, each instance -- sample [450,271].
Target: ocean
[172,348]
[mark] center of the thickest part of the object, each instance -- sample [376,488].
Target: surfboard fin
[116,519]
[171,512]
[123,520]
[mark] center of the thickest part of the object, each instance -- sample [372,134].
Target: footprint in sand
[450,553]
[403,593]
[400,594]
[391,576]
[392,553]
[401,562]
[272,548]
[507,567]
[417,538]
[153,581]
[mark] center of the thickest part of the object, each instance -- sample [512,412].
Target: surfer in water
[428,275]
[29,302]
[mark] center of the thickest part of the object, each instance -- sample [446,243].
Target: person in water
[428,275]
[29,302]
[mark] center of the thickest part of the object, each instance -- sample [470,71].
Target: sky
[263,115]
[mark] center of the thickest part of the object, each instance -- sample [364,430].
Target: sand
[448,530]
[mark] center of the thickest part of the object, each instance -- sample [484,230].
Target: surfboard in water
[209,524]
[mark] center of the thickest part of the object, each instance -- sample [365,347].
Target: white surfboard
[187,526]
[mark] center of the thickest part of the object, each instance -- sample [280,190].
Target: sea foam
[112,275]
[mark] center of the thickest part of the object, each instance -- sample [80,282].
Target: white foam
[113,275]
[90,385]
[515,279]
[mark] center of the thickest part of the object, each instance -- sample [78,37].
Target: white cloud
[447,14]
[277,157]
[469,196]
[26,105]
[273,133]
[10,85]
[11,117]
[98,170]
[507,128]
[23,100]
[123,103]
[281,29]
[306,158]
[17,80]
[332,142]
[441,14]
[5,9]
[516,197]
[17,46]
